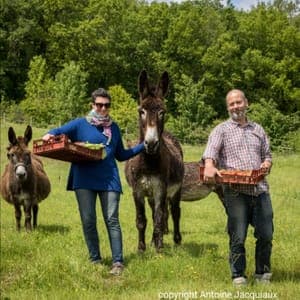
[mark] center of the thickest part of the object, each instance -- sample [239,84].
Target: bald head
[237,105]
[236,92]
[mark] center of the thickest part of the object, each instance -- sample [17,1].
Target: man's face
[236,106]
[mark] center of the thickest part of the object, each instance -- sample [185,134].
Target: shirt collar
[236,124]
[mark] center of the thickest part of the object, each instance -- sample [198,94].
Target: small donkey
[24,181]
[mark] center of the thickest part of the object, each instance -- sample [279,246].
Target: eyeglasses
[100,105]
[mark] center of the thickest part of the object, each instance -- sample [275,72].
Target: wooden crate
[59,147]
[237,176]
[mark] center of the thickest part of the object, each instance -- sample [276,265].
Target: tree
[69,92]
[39,101]
[222,72]
[51,101]
[193,114]
[21,37]
[124,111]
[277,125]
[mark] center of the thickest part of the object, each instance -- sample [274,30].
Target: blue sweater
[102,175]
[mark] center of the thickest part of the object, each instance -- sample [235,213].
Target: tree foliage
[54,100]
[55,52]
[124,111]
[277,125]
[193,115]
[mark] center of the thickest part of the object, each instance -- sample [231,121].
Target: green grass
[52,262]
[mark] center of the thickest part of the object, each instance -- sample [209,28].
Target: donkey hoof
[177,239]
[28,227]
[159,249]
[141,247]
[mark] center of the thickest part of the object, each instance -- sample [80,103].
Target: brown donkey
[24,181]
[156,173]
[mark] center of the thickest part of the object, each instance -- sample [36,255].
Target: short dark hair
[100,93]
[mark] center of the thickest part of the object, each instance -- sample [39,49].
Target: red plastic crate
[59,147]
[237,176]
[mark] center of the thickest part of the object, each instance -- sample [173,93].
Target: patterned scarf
[97,120]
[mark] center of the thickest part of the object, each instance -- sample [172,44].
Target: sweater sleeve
[69,129]
[123,154]
[120,153]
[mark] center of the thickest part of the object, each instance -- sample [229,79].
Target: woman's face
[101,106]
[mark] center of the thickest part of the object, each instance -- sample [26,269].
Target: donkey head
[18,153]
[152,110]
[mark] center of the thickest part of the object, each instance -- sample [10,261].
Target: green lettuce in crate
[94,147]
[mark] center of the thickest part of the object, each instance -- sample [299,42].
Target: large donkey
[157,173]
[24,181]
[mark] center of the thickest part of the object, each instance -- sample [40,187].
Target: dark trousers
[243,210]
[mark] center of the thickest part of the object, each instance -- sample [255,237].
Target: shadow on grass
[285,275]
[193,250]
[53,228]
[196,250]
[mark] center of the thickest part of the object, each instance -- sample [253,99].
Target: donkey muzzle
[151,147]
[20,171]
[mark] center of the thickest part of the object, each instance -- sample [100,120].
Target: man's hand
[266,166]
[210,171]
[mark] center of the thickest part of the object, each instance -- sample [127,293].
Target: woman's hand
[47,137]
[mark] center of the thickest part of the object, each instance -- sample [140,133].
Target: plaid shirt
[239,147]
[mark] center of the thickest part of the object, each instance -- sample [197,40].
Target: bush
[279,127]
[124,111]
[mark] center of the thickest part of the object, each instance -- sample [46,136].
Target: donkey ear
[163,85]
[143,84]
[28,135]
[12,136]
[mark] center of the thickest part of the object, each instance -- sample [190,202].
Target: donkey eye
[12,157]
[161,114]
[27,158]
[142,113]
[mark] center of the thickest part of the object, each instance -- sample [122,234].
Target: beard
[238,115]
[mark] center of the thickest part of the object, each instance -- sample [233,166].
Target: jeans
[110,209]
[243,210]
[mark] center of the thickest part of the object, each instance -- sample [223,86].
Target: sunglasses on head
[100,105]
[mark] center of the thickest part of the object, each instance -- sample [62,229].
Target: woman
[101,178]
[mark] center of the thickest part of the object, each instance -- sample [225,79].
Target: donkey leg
[166,218]
[152,206]
[35,210]
[175,211]
[18,215]
[27,211]
[159,224]
[141,222]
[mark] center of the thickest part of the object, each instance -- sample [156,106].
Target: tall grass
[52,261]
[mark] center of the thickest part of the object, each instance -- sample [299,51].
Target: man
[240,144]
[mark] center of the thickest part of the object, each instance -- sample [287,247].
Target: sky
[244,4]
[238,4]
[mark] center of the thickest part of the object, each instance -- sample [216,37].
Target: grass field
[52,262]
